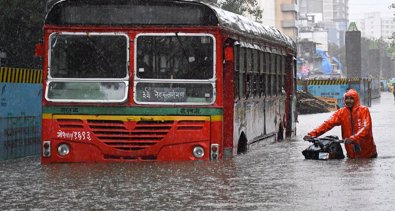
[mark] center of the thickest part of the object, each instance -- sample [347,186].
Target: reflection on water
[273,177]
[276,177]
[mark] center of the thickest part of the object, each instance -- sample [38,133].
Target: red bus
[161,80]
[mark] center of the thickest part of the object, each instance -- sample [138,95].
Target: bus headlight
[198,152]
[63,149]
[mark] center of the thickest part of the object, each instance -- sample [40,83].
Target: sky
[357,8]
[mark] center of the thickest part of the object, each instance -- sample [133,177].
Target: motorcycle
[325,148]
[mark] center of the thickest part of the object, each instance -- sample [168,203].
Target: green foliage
[241,7]
[392,6]
[21,28]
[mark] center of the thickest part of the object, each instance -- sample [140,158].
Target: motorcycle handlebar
[315,140]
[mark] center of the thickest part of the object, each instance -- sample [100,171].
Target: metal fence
[19,136]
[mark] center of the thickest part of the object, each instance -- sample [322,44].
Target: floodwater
[274,176]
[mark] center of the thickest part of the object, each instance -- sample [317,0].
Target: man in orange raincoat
[356,127]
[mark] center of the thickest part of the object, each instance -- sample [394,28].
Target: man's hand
[348,141]
[307,137]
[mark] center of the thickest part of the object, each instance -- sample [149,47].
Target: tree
[21,28]
[241,7]
[21,24]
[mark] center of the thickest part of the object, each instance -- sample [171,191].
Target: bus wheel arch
[242,145]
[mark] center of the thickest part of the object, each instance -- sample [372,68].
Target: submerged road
[274,176]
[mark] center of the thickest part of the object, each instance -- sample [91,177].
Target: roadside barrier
[328,82]
[20,112]
[20,75]
[368,88]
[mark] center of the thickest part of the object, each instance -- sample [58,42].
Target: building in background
[286,17]
[387,29]
[377,62]
[373,26]
[333,17]
[319,29]
[323,22]
[282,14]
[269,15]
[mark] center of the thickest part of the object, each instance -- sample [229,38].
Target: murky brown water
[273,177]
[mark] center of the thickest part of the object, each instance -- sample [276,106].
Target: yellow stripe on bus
[216,118]
[131,118]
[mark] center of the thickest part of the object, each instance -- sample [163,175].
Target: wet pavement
[274,176]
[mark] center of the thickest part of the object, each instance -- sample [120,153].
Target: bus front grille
[130,136]
[133,135]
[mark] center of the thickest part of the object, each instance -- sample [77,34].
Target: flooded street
[274,177]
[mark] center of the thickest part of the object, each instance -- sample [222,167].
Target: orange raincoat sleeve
[333,121]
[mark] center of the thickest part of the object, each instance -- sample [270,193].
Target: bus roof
[153,12]
[243,24]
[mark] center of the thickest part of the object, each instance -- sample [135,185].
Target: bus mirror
[228,53]
[39,50]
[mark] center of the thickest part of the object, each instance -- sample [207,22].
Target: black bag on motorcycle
[324,148]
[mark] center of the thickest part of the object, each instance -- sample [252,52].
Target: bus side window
[278,74]
[275,75]
[241,73]
[269,74]
[256,72]
[272,74]
[261,73]
[237,71]
[283,58]
[265,72]
[249,73]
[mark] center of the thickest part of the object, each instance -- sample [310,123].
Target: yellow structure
[20,75]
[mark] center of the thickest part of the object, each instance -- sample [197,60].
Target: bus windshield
[175,57]
[82,65]
[175,68]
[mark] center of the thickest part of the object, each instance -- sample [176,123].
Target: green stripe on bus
[132,111]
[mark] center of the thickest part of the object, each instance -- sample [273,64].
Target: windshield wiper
[182,48]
